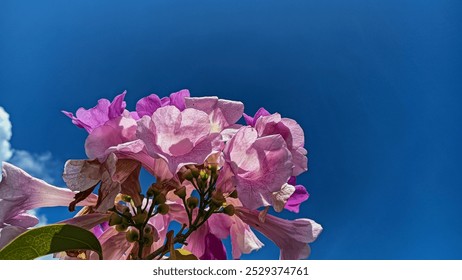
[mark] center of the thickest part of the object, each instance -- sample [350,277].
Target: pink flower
[178,137]
[292,237]
[261,166]
[20,192]
[293,135]
[222,113]
[100,114]
[109,137]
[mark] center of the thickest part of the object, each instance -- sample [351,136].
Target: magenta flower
[299,195]
[100,114]
[253,120]
[148,105]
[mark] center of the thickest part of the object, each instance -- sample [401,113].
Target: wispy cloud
[41,166]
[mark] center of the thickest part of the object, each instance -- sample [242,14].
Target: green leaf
[50,239]
[182,254]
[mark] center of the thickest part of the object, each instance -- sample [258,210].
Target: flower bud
[132,235]
[140,218]
[148,240]
[148,229]
[203,175]
[187,175]
[121,227]
[229,210]
[192,202]
[160,199]
[213,168]
[115,219]
[181,192]
[218,199]
[150,192]
[155,189]
[163,209]
[194,171]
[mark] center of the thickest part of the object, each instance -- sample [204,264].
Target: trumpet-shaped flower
[20,192]
[292,237]
[89,119]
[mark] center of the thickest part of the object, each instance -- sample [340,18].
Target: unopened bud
[213,168]
[140,218]
[218,199]
[148,229]
[121,227]
[192,202]
[115,219]
[229,210]
[148,240]
[155,189]
[187,175]
[203,175]
[150,192]
[132,235]
[181,192]
[163,209]
[194,171]
[160,199]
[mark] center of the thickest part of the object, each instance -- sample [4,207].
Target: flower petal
[19,192]
[292,237]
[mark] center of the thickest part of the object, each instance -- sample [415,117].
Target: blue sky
[376,85]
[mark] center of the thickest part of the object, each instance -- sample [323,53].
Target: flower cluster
[212,176]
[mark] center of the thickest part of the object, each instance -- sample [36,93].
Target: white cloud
[41,165]
[5,135]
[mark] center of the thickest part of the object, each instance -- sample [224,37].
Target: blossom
[148,105]
[299,195]
[293,135]
[222,113]
[20,192]
[261,165]
[195,146]
[253,120]
[178,137]
[100,114]
[292,237]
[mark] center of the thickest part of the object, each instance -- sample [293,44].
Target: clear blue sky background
[376,85]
